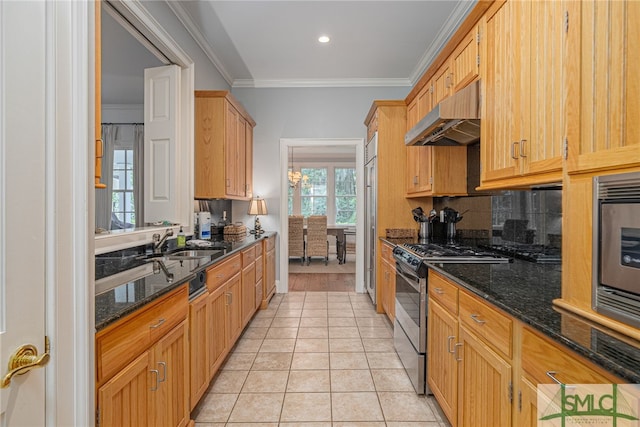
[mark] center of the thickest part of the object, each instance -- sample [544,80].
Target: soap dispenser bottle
[182,239]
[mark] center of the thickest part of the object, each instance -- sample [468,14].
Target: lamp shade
[257,207]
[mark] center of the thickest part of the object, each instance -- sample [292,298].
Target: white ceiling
[274,43]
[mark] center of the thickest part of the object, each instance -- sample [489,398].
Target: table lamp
[257,207]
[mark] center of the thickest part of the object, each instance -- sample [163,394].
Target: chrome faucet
[158,242]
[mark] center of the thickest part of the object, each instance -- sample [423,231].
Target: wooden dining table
[341,247]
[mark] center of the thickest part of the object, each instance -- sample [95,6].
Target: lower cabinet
[269,277]
[387,292]
[152,390]
[198,348]
[484,366]
[248,284]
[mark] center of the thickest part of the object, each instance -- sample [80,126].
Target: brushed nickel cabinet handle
[455,352]
[157,325]
[522,148]
[438,291]
[450,339]
[155,371]
[164,372]
[513,149]
[476,319]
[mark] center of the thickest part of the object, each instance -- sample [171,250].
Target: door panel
[23,208]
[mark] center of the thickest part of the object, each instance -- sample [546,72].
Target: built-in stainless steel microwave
[616,246]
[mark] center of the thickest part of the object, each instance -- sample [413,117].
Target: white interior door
[22,204]
[161,101]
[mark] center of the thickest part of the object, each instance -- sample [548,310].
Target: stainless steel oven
[616,247]
[410,326]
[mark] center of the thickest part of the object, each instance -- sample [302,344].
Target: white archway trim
[285,143]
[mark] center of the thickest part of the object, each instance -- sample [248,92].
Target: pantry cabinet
[143,366]
[523,94]
[603,130]
[223,147]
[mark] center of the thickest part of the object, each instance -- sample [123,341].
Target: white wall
[299,113]
[207,76]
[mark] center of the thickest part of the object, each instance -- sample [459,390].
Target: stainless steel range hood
[454,121]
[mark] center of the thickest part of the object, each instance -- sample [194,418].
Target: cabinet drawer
[444,292]
[494,327]
[387,253]
[219,274]
[270,244]
[540,356]
[123,341]
[248,256]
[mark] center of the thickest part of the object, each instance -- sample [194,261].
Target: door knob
[25,359]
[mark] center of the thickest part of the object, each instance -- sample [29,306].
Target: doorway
[323,158]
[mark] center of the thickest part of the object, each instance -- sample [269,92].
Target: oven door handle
[409,277]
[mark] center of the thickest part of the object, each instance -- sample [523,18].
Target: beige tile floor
[315,359]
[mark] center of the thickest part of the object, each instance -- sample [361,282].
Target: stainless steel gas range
[410,328]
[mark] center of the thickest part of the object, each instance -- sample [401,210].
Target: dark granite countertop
[128,290]
[526,291]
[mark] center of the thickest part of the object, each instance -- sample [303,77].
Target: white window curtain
[103,196]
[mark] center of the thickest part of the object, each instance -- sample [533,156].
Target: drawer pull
[450,339]
[155,371]
[219,276]
[455,352]
[438,291]
[475,319]
[164,372]
[552,375]
[157,325]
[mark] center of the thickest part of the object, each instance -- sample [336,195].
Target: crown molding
[184,17]
[277,83]
[448,29]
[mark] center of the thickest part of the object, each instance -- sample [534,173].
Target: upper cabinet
[223,147]
[522,130]
[603,130]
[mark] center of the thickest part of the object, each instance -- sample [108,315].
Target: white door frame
[285,143]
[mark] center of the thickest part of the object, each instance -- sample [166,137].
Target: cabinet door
[419,170]
[388,291]
[241,156]
[412,114]
[172,362]
[527,406]
[199,345]
[541,144]
[442,367]
[604,98]
[234,307]
[465,60]
[231,151]
[248,292]
[126,399]
[248,131]
[484,380]
[501,108]
[271,272]
[442,83]
[217,329]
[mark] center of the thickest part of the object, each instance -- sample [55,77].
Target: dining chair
[296,237]
[317,243]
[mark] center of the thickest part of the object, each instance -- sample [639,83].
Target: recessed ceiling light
[324,39]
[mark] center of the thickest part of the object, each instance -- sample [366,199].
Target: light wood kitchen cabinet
[218,342]
[259,274]
[484,384]
[199,342]
[541,358]
[436,171]
[442,83]
[442,366]
[269,272]
[152,390]
[470,380]
[522,130]
[388,284]
[393,208]
[248,284]
[223,147]
[465,60]
[603,129]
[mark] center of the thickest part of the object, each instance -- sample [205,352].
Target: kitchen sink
[192,254]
